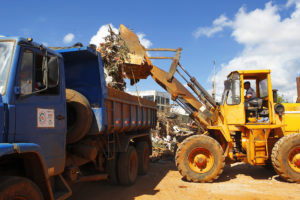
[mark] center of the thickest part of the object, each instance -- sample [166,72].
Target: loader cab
[254,110]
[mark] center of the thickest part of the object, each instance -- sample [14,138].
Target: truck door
[40,110]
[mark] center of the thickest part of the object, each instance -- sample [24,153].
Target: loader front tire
[200,158]
[286,157]
[79,116]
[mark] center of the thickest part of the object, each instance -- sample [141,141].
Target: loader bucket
[138,64]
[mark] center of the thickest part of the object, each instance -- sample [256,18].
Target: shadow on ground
[255,172]
[145,185]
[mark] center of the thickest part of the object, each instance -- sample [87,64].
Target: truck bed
[124,112]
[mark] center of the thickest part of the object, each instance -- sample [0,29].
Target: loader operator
[250,93]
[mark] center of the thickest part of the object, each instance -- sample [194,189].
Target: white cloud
[218,25]
[102,33]
[68,38]
[270,42]
[145,42]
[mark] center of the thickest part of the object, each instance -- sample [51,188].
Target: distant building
[162,99]
[178,110]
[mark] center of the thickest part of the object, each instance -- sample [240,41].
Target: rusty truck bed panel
[124,112]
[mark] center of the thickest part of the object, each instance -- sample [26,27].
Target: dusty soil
[238,181]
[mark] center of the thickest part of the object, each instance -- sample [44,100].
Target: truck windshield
[6,49]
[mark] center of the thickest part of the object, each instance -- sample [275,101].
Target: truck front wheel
[200,158]
[13,187]
[128,166]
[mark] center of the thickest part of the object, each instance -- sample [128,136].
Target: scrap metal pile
[114,52]
[171,129]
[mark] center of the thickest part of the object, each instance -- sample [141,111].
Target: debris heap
[114,52]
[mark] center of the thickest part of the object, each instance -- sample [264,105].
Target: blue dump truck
[61,125]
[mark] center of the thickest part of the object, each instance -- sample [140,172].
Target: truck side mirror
[52,72]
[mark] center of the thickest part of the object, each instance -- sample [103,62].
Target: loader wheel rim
[201,160]
[294,159]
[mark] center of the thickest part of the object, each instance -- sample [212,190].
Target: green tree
[281,99]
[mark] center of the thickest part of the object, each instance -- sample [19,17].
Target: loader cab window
[33,78]
[232,91]
[263,88]
[257,107]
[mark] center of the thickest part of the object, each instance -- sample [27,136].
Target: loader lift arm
[200,109]
[139,66]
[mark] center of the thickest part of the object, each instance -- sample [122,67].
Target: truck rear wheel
[286,157]
[142,149]
[111,168]
[128,166]
[200,158]
[79,116]
[13,187]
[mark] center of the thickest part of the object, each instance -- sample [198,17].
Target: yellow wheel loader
[257,131]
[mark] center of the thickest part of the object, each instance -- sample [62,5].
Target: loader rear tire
[143,150]
[200,158]
[13,187]
[286,157]
[79,116]
[128,166]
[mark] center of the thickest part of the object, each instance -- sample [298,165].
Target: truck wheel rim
[294,159]
[201,160]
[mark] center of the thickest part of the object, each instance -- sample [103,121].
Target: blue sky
[166,24]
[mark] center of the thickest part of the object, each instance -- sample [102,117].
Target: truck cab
[32,109]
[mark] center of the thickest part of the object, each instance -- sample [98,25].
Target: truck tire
[79,116]
[143,150]
[13,187]
[286,157]
[128,166]
[200,158]
[111,168]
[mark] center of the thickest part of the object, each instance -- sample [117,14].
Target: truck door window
[40,76]
[32,74]
[39,73]
[25,80]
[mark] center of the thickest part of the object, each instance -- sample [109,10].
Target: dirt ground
[238,181]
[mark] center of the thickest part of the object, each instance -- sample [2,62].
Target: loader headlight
[279,109]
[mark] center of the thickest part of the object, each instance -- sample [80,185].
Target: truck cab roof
[29,41]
